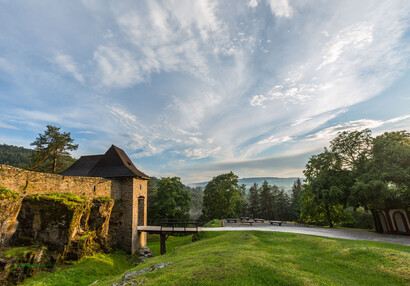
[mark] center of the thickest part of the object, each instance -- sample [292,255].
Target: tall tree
[254,201]
[266,201]
[52,150]
[223,197]
[170,201]
[295,199]
[324,194]
[281,204]
[386,184]
[353,149]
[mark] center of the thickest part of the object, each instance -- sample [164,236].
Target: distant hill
[283,183]
[19,157]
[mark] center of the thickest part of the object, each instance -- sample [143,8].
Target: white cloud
[7,126]
[67,64]
[117,67]
[330,132]
[280,8]
[354,37]
[253,3]
[274,139]
[198,153]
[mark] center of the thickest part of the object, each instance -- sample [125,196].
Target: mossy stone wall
[26,183]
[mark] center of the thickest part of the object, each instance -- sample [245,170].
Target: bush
[363,219]
[213,223]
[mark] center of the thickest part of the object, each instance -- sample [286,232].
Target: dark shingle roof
[82,166]
[114,163]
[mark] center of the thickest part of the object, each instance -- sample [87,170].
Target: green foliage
[213,223]
[295,199]
[353,149]
[386,184]
[223,197]
[362,219]
[326,190]
[7,194]
[197,195]
[170,201]
[359,171]
[19,157]
[254,209]
[268,202]
[51,151]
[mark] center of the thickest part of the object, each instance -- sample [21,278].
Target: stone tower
[128,189]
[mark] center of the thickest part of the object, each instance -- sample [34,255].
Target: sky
[195,89]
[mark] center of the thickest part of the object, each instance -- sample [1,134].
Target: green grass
[18,251]
[257,258]
[85,271]
[70,200]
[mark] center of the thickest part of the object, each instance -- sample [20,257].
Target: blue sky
[197,88]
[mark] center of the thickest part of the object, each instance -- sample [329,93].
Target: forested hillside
[15,156]
[282,183]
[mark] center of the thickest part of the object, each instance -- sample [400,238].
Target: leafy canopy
[52,150]
[223,197]
[170,200]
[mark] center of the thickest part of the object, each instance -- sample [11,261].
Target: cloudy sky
[197,88]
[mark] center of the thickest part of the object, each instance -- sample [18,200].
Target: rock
[10,204]
[22,263]
[129,277]
[68,225]
[146,252]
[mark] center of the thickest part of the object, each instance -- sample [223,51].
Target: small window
[140,187]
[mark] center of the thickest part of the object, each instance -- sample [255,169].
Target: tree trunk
[329,217]
[55,165]
[377,222]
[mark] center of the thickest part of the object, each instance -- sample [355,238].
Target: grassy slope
[85,271]
[266,258]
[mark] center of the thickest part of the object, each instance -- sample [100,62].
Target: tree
[281,204]
[353,149]
[295,198]
[51,151]
[254,201]
[266,201]
[325,190]
[170,200]
[386,184]
[223,197]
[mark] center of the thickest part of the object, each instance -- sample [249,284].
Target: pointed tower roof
[114,163]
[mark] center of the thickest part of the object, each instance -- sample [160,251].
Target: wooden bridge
[171,227]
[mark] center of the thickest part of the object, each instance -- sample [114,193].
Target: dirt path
[352,234]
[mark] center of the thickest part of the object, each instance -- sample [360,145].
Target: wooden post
[163,244]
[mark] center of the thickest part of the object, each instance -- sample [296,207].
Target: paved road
[352,234]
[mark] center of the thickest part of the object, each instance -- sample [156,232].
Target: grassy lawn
[86,271]
[257,258]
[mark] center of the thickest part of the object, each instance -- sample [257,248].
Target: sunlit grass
[251,258]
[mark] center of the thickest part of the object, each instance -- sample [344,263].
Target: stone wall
[129,195]
[26,183]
